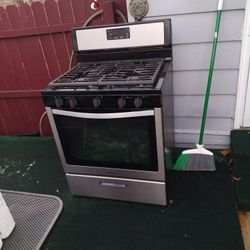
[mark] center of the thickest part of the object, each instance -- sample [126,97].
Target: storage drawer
[118,188]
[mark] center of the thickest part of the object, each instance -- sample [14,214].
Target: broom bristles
[201,163]
[199,159]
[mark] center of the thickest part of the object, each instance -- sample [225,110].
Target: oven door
[123,144]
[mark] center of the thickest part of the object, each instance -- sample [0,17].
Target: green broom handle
[211,70]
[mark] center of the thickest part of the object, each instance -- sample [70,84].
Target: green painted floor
[202,214]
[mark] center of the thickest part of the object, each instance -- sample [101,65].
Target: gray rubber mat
[34,214]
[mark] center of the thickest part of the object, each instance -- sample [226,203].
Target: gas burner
[114,74]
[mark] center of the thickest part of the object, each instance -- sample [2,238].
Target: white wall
[193,24]
[242,110]
[246,120]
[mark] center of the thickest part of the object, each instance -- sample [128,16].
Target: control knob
[121,102]
[138,102]
[58,102]
[96,102]
[73,102]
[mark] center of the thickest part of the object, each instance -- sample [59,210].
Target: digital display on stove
[117,34]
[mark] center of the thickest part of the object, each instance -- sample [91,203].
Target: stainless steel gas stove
[112,115]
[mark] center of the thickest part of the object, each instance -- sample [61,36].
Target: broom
[201,159]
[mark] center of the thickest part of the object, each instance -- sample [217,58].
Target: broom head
[199,159]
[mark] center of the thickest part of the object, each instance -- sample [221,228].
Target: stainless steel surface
[168,117]
[144,175]
[140,36]
[159,138]
[131,81]
[122,189]
[100,116]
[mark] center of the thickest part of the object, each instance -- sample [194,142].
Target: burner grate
[142,73]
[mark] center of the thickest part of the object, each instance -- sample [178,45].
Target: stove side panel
[168,115]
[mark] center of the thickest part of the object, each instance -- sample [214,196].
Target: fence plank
[53,15]
[16,114]
[4,20]
[52,12]
[3,129]
[31,55]
[61,51]
[108,12]
[46,40]
[4,84]
[14,17]
[4,111]
[48,47]
[31,51]
[67,16]
[66,12]
[31,106]
[6,67]
[36,109]
[22,81]
[26,15]
[4,25]
[69,45]
[120,5]
[79,10]
[39,13]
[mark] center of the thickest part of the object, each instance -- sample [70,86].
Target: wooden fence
[35,48]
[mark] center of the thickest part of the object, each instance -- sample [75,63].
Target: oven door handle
[96,116]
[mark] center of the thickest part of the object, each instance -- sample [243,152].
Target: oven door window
[125,143]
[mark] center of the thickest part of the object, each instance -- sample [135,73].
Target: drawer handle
[110,184]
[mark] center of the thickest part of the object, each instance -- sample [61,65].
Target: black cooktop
[141,73]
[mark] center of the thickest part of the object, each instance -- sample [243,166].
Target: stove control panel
[119,36]
[115,34]
[99,102]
